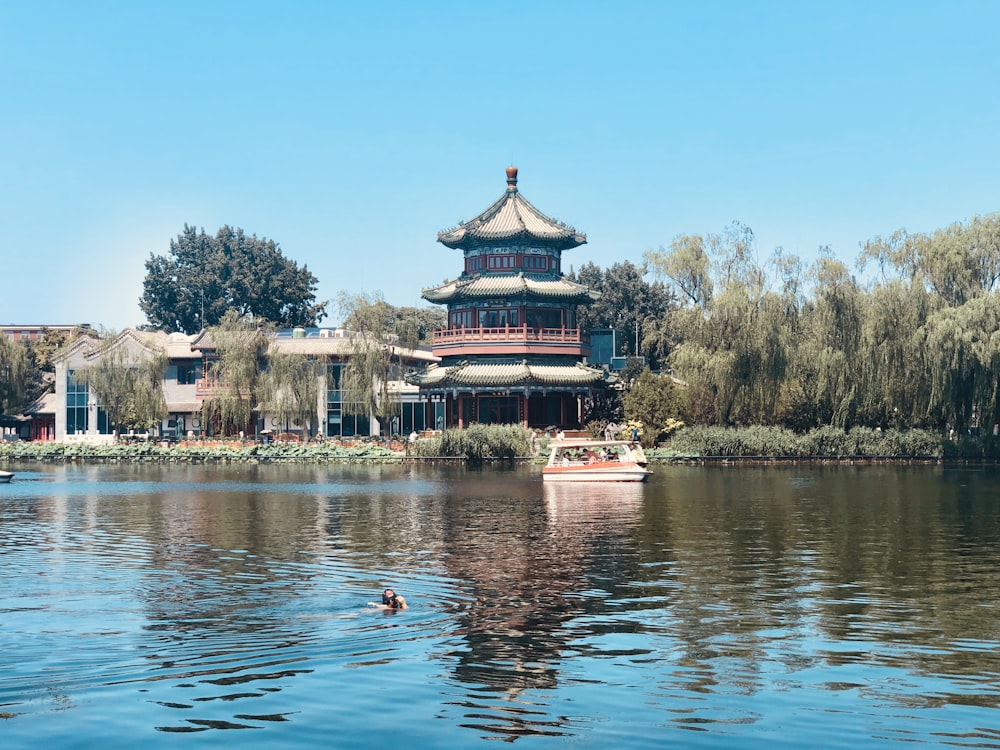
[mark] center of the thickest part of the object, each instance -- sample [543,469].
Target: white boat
[595,461]
[6,476]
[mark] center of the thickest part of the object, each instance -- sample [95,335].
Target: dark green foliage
[15,370]
[656,402]
[631,305]
[151,451]
[479,442]
[824,442]
[204,276]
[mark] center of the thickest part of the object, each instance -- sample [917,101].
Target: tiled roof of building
[501,374]
[511,218]
[341,346]
[491,285]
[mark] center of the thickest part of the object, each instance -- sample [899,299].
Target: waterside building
[512,352]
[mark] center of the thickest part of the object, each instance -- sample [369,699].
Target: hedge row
[289,452]
[823,442]
[478,442]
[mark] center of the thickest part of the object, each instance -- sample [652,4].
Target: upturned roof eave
[466,241]
[469,288]
[476,230]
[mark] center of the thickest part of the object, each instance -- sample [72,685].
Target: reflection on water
[710,607]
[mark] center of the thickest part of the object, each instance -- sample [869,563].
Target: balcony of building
[510,340]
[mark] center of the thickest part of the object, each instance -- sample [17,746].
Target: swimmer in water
[390,600]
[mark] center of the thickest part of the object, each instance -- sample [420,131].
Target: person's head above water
[392,600]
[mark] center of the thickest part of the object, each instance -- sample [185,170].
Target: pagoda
[512,352]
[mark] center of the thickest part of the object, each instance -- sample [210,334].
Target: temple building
[512,352]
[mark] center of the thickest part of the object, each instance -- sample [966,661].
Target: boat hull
[6,476]
[599,472]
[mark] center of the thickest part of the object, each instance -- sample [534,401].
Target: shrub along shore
[508,442]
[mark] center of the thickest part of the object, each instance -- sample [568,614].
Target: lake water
[149,606]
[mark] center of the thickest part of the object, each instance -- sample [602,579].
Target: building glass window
[461,319]
[78,408]
[77,411]
[413,418]
[188,374]
[339,422]
[498,318]
[542,317]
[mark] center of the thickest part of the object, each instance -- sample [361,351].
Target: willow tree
[288,389]
[822,384]
[734,341]
[126,378]
[378,343]
[14,371]
[686,266]
[961,352]
[240,344]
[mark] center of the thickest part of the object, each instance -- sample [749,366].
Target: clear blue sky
[351,133]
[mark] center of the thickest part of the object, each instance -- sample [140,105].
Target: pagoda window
[498,318]
[462,318]
[500,262]
[545,318]
[473,264]
[536,262]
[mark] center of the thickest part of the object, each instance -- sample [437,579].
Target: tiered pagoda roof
[490,286]
[512,219]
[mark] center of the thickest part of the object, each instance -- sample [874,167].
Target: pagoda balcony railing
[446,336]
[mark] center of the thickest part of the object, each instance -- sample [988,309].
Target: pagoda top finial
[512,219]
[512,178]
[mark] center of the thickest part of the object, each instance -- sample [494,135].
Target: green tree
[203,277]
[736,344]
[240,346]
[656,401]
[637,309]
[687,266]
[289,388]
[961,353]
[415,325]
[127,381]
[15,366]
[379,341]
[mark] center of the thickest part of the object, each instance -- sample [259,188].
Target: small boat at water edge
[595,461]
[6,476]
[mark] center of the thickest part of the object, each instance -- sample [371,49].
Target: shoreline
[123,454]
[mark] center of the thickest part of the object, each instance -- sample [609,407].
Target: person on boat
[565,458]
